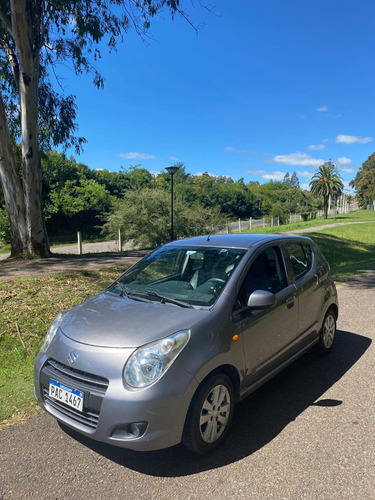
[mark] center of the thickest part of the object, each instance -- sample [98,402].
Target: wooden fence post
[79,239]
[119,241]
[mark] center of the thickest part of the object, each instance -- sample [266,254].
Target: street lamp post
[172,171]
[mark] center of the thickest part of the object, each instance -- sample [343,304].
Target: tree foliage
[326,182]
[364,182]
[35,36]
[144,216]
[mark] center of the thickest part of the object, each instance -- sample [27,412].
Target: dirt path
[12,269]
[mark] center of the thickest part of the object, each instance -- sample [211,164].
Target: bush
[308,215]
[4,226]
[280,211]
[144,216]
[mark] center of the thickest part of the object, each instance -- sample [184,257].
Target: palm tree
[326,182]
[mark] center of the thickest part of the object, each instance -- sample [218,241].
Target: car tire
[210,415]
[327,333]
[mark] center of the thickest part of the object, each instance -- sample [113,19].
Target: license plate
[65,394]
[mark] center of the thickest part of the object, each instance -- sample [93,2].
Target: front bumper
[110,407]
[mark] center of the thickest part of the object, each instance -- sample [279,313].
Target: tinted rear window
[300,256]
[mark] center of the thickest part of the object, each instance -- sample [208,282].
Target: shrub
[4,226]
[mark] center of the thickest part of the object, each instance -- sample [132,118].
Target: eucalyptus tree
[326,182]
[36,35]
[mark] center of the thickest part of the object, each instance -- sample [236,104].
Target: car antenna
[208,237]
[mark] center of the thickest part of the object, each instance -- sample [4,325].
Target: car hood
[106,320]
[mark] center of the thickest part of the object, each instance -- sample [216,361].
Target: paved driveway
[307,434]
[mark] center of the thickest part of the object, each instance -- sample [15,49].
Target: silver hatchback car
[164,353]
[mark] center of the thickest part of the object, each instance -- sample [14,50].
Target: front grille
[93,387]
[88,381]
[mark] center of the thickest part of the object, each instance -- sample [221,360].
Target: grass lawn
[349,249]
[27,309]
[357,216]
[28,306]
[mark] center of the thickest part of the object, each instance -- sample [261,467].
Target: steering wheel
[217,281]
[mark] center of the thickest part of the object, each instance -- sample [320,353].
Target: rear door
[303,269]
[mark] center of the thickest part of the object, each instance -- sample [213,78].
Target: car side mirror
[261,299]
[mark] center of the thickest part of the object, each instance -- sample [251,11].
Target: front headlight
[52,331]
[148,363]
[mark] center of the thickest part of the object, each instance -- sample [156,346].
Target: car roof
[233,240]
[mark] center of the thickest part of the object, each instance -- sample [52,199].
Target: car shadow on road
[258,419]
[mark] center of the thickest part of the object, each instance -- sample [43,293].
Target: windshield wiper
[127,293]
[162,298]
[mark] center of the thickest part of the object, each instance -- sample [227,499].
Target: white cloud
[197,174]
[267,176]
[174,158]
[322,109]
[352,139]
[137,156]
[298,158]
[344,161]
[305,186]
[275,176]
[305,174]
[325,140]
[316,147]
[348,170]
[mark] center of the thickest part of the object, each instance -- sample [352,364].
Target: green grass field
[28,306]
[27,309]
[349,249]
[357,216]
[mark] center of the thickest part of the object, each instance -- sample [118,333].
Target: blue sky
[265,88]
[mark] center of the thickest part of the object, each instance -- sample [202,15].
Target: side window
[300,256]
[267,272]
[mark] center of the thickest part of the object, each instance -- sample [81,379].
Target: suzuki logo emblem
[72,358]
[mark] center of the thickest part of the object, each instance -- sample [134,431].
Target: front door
[268,334]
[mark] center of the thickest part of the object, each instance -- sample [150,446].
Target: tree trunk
[325,206]
[37,241]
[12,188]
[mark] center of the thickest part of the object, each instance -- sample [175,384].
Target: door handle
[290,300]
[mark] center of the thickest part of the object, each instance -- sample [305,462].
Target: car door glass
[267,272]
[300,257]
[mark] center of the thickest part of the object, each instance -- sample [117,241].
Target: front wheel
[327,333]
[210,415]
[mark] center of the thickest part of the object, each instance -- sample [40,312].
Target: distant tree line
[75,197]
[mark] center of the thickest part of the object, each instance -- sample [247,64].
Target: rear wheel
[327,333]
[210,415]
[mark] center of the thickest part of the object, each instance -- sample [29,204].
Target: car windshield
[185,276]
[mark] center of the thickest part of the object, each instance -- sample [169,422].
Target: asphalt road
[307,434]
